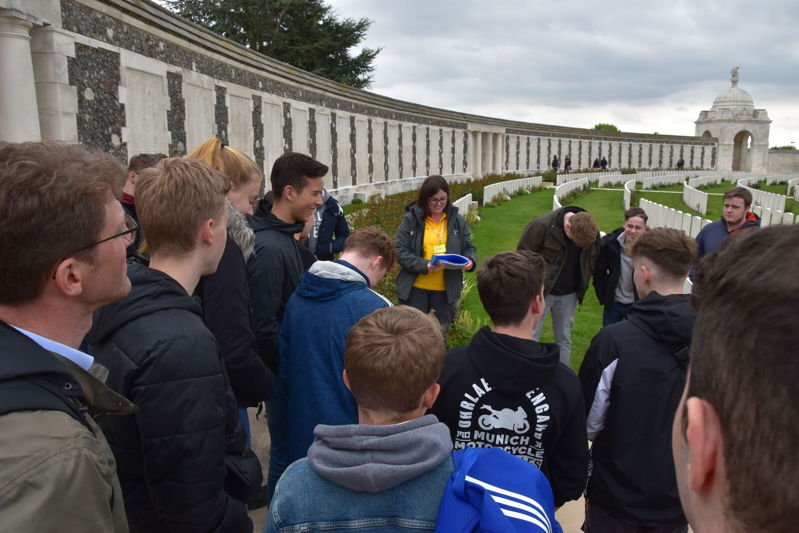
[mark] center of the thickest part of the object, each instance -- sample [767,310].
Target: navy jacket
[330,299]
[333,231]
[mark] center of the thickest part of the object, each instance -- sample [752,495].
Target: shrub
[629,171]
[463,326]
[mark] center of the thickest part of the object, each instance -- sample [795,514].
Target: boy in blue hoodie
[331,298]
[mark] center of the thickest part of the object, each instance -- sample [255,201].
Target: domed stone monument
[741,129]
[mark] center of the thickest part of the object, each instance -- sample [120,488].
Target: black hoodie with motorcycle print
[512,393]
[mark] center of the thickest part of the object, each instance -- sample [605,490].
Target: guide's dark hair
[430,186]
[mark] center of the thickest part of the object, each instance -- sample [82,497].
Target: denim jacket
[387,478]
[324,505]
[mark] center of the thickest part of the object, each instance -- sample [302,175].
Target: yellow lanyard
[438,228]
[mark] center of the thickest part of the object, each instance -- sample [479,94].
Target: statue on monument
[734,76]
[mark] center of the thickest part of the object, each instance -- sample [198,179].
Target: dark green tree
[304,33]
[605,127]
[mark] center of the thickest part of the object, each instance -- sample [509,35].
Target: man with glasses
[64,236]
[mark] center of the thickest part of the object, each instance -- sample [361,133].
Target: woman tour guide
[432,225]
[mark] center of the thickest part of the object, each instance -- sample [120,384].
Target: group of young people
[132,341]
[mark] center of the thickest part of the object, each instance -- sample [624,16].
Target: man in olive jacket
[64,236]
[568,240]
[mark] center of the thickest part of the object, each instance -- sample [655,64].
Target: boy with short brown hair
[389,469]
[181,459]
[508,391]
[736,431]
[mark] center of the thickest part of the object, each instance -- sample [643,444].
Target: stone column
[488,160]
[19,114]
[477,154]
[58,101]
[499,154]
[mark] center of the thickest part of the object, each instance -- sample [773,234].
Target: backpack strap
[31,394]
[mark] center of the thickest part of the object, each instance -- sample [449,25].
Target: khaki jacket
[55,474]
[545,236]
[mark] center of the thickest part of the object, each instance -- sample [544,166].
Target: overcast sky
[645,66]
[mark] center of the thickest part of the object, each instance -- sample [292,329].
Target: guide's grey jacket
[410,250]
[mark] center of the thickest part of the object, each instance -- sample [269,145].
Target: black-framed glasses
[438,200]
[129,234]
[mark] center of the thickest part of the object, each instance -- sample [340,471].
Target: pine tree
[304,33]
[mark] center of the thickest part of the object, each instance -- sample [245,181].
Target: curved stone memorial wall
[127,76]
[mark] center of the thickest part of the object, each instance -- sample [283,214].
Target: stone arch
[707,134]
[742,151]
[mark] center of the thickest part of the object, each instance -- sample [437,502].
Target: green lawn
[501,226]
[499,230]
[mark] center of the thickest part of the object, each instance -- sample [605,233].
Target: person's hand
[469,265]
[432,268]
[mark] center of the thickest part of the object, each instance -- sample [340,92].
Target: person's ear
[132,177]
[705,441]
[69,276]
[646,273]
[346,379]
[537,306]
[289,193]
[374,263]
[206,232]
[430,395]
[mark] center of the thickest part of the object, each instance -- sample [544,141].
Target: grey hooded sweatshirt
[378,458]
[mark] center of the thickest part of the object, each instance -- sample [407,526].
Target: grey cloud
[470,55]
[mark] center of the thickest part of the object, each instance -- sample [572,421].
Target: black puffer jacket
[274,271]
[608,268]
[225,299]
[633,376]
[181,459]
